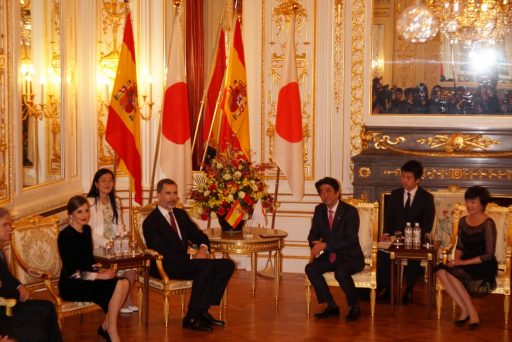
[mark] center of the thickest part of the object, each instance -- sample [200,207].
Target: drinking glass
[398,237]
[428,241]
[134,246]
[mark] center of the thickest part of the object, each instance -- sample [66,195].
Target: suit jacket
[422,211]
[344,237]
[162,238]
[9,284]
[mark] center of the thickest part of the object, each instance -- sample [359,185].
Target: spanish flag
[123,123]
[214,88]
[235,214]
[234,129]
[288,138]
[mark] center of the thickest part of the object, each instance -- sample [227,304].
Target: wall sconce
[45,108]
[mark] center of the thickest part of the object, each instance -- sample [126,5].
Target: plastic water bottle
[125,244]
[416,236]
[117,245]
[408,235]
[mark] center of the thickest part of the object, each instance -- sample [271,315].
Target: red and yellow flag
[234,129]
[214,89]
[235,214]
[123,123]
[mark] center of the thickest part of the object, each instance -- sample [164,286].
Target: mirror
[40,74]
[448,74]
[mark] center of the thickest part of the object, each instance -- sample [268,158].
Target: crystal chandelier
[470,21]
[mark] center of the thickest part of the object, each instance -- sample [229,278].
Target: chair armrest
[159,265]
[508,264]
[9,303]
[445,252]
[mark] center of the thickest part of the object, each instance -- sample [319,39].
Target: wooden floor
[254,319]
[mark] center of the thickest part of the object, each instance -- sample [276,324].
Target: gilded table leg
[277,273]
[254,264]
[146,293]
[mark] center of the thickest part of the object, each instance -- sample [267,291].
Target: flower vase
[227,228]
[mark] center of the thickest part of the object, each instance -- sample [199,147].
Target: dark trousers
[32,321]
[342,272]
[209,280]
[412,271]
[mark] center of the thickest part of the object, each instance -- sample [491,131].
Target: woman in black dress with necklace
[79,281]
[474,268]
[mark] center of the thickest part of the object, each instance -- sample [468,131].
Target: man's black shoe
[196,324]
[407,298]
[212,321]
[329,311]
[353,314]
[383,296]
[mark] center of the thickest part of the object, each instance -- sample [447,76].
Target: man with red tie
[168,230]
[335,247]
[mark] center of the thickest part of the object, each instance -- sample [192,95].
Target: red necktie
[174,226]
[332,255]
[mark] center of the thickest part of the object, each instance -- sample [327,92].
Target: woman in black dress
[475,267]
[79,281]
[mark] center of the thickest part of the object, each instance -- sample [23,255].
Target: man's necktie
[174,226]
[332,255]
[407,207]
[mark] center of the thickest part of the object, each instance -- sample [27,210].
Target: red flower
[221,211]
[204,216]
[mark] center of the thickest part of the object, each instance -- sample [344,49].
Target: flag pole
[268,271]
[176,5]
[217,104]
[205,91]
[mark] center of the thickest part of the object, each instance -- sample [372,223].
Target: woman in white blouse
[106,220]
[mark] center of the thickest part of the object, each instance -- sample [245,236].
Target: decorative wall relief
[5,105]
[274,42]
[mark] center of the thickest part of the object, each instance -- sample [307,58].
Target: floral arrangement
[229,178]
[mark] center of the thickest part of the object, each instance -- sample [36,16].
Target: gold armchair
[9,303]
[368,239]
[37,263]
[164,285]
[502,216]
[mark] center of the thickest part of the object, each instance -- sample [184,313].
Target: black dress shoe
[460,322]
[101,332]
[329,311]
[473,326]
[383,296]
[196,324]
[353,314]
[212,321]
[407,298]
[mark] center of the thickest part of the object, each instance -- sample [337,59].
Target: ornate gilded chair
[164,285]
[368,239]
[37,263]
[502,216]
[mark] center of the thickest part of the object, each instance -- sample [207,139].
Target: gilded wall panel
[5,104]
[276,16]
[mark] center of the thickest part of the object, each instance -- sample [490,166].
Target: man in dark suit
[410,203]
[168,230]
[31,320]
[334,243]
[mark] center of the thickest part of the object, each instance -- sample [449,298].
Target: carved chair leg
[182,305]
[308,300]
[439,302]
[166,310]
[139,299]
[506,307]
[373,296]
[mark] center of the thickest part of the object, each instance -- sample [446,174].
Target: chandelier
[468,21]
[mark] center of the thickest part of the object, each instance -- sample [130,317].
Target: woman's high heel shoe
[475,325]
[102,332]
[461,322]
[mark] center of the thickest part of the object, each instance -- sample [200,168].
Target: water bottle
[117,245]
[408,235]
[125,244]
[416,236]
